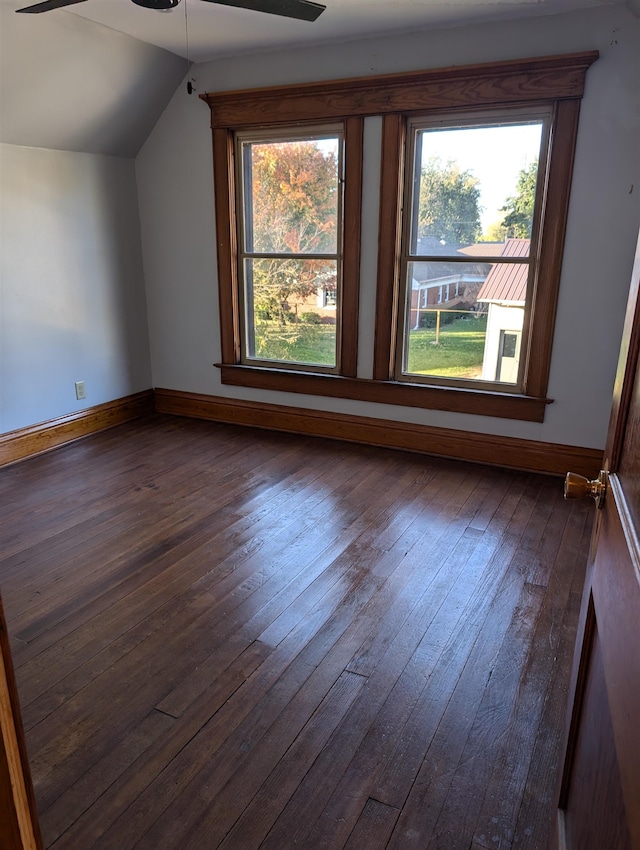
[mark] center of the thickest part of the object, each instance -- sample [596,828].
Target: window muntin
[473,194]
[290,237]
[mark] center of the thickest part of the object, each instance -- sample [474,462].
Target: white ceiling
[97,82]
[216,30]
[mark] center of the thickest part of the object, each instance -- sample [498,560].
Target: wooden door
[599,800]
[19,829]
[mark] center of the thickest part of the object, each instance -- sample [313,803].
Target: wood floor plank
[311,641]
[396,659]
[494,607]
[332,644]
[317,787]
[132,806]
[373,828]
[505,787]
[536,812]
[90,786]
[239,639]
[464,745]
[250,822]
[42,519]
[313,580]
[267,470]
[435,639]
[84,645]
[130,536]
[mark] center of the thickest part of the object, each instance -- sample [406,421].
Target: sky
[495,155]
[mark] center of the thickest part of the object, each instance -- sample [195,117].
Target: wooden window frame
[289,133]
[227,245]
[545,114]
[556,79]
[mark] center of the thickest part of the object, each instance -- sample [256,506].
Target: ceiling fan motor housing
[160,5]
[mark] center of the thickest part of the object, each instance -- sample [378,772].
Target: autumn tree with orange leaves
[293,207]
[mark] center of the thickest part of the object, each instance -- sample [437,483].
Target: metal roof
[483,249]
[507,282]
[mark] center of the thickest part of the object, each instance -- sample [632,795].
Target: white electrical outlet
[80,390]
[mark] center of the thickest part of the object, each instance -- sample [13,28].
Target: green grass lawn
[458,354]
[296,343]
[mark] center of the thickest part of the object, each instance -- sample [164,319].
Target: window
[432,282]
[290,246]
[327,297]
[272,283]
[468,226]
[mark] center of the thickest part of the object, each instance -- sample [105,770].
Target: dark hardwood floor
[241,639]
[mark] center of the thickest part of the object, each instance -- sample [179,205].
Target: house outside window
[504,296]
[327,298]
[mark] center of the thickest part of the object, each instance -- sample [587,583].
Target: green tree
[449,207]
[518,208]
[495,232]
[292,210]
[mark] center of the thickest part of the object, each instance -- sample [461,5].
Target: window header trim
[519,81]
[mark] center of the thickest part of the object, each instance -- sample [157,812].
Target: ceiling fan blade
[303,10]
[48,5]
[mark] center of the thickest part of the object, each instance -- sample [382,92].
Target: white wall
[174,174]
[72,302]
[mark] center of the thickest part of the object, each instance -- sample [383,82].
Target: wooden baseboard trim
[35,439]
[510,452]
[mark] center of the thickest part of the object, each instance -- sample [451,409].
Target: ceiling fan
[304,10]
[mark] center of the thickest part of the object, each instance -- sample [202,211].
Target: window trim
[227,245]
[456,400]
[395,97]
[562,140]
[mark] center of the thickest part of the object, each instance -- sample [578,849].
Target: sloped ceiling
[67,83]
[218,30]
[96,77]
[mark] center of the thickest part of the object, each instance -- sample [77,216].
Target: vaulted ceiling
[218,30]
[67,83]
[95,77]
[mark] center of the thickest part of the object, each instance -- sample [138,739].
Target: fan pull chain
[190,86]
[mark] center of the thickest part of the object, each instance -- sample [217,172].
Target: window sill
[454,399]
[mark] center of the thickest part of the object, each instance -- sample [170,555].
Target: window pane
[291,192]
[290,307]
[455,329]
[473,185]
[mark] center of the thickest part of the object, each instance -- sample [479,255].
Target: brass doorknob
[579,487]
